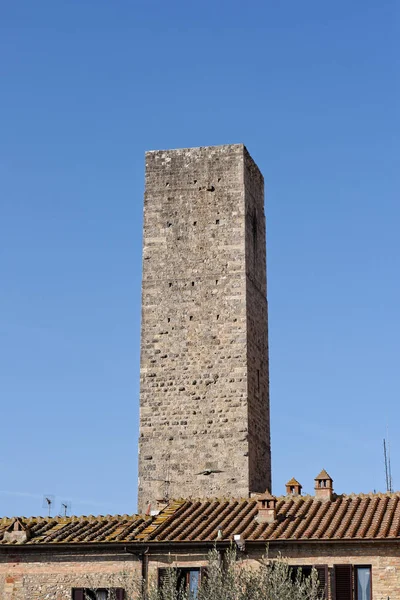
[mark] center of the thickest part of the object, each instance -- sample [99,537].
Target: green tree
[229,578]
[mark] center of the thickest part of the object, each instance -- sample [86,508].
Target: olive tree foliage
[228,578]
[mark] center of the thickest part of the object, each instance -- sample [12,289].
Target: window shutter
[203,574]
[77,594]
[119,593]
[162,572]
[323,579]
[343,582]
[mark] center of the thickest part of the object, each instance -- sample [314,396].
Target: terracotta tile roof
[64,530]
[302,518]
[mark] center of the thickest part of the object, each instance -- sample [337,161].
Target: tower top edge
[220,147]
[203,152]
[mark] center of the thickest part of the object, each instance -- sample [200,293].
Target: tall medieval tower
[204,383]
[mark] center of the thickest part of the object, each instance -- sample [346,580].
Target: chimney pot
[266,508]
[323,486]
[293,488]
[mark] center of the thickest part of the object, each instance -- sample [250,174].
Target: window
[98,594]
[188,578]
[193,581]
[353,582]
[322,571]
[363,583]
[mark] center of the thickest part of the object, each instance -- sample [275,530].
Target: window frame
[355,569]
[183,572]
[353,579]
[318,567]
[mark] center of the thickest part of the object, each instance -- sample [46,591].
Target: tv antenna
[65,509]
[388,467]
[48,501]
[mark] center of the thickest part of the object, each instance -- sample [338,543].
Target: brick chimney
[266,508]
[293,488]
[323,486]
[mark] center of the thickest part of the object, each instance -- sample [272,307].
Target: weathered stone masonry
[384,560]
[51,575]
[204,400]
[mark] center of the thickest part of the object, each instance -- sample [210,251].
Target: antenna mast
[65,508]
[48,501]
[388,467]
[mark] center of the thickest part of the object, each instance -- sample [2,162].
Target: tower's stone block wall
[204,401]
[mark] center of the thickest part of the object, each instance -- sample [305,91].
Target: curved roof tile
[298,518]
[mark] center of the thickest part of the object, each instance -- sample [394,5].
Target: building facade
[204,378]
[353,541]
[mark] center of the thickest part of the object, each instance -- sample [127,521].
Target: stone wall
[31,575]
[28,575]
[384,559]
[204,353]
[257,331]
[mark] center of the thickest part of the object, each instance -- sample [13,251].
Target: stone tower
[204,383]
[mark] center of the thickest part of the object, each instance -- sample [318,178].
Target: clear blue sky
[312,89]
